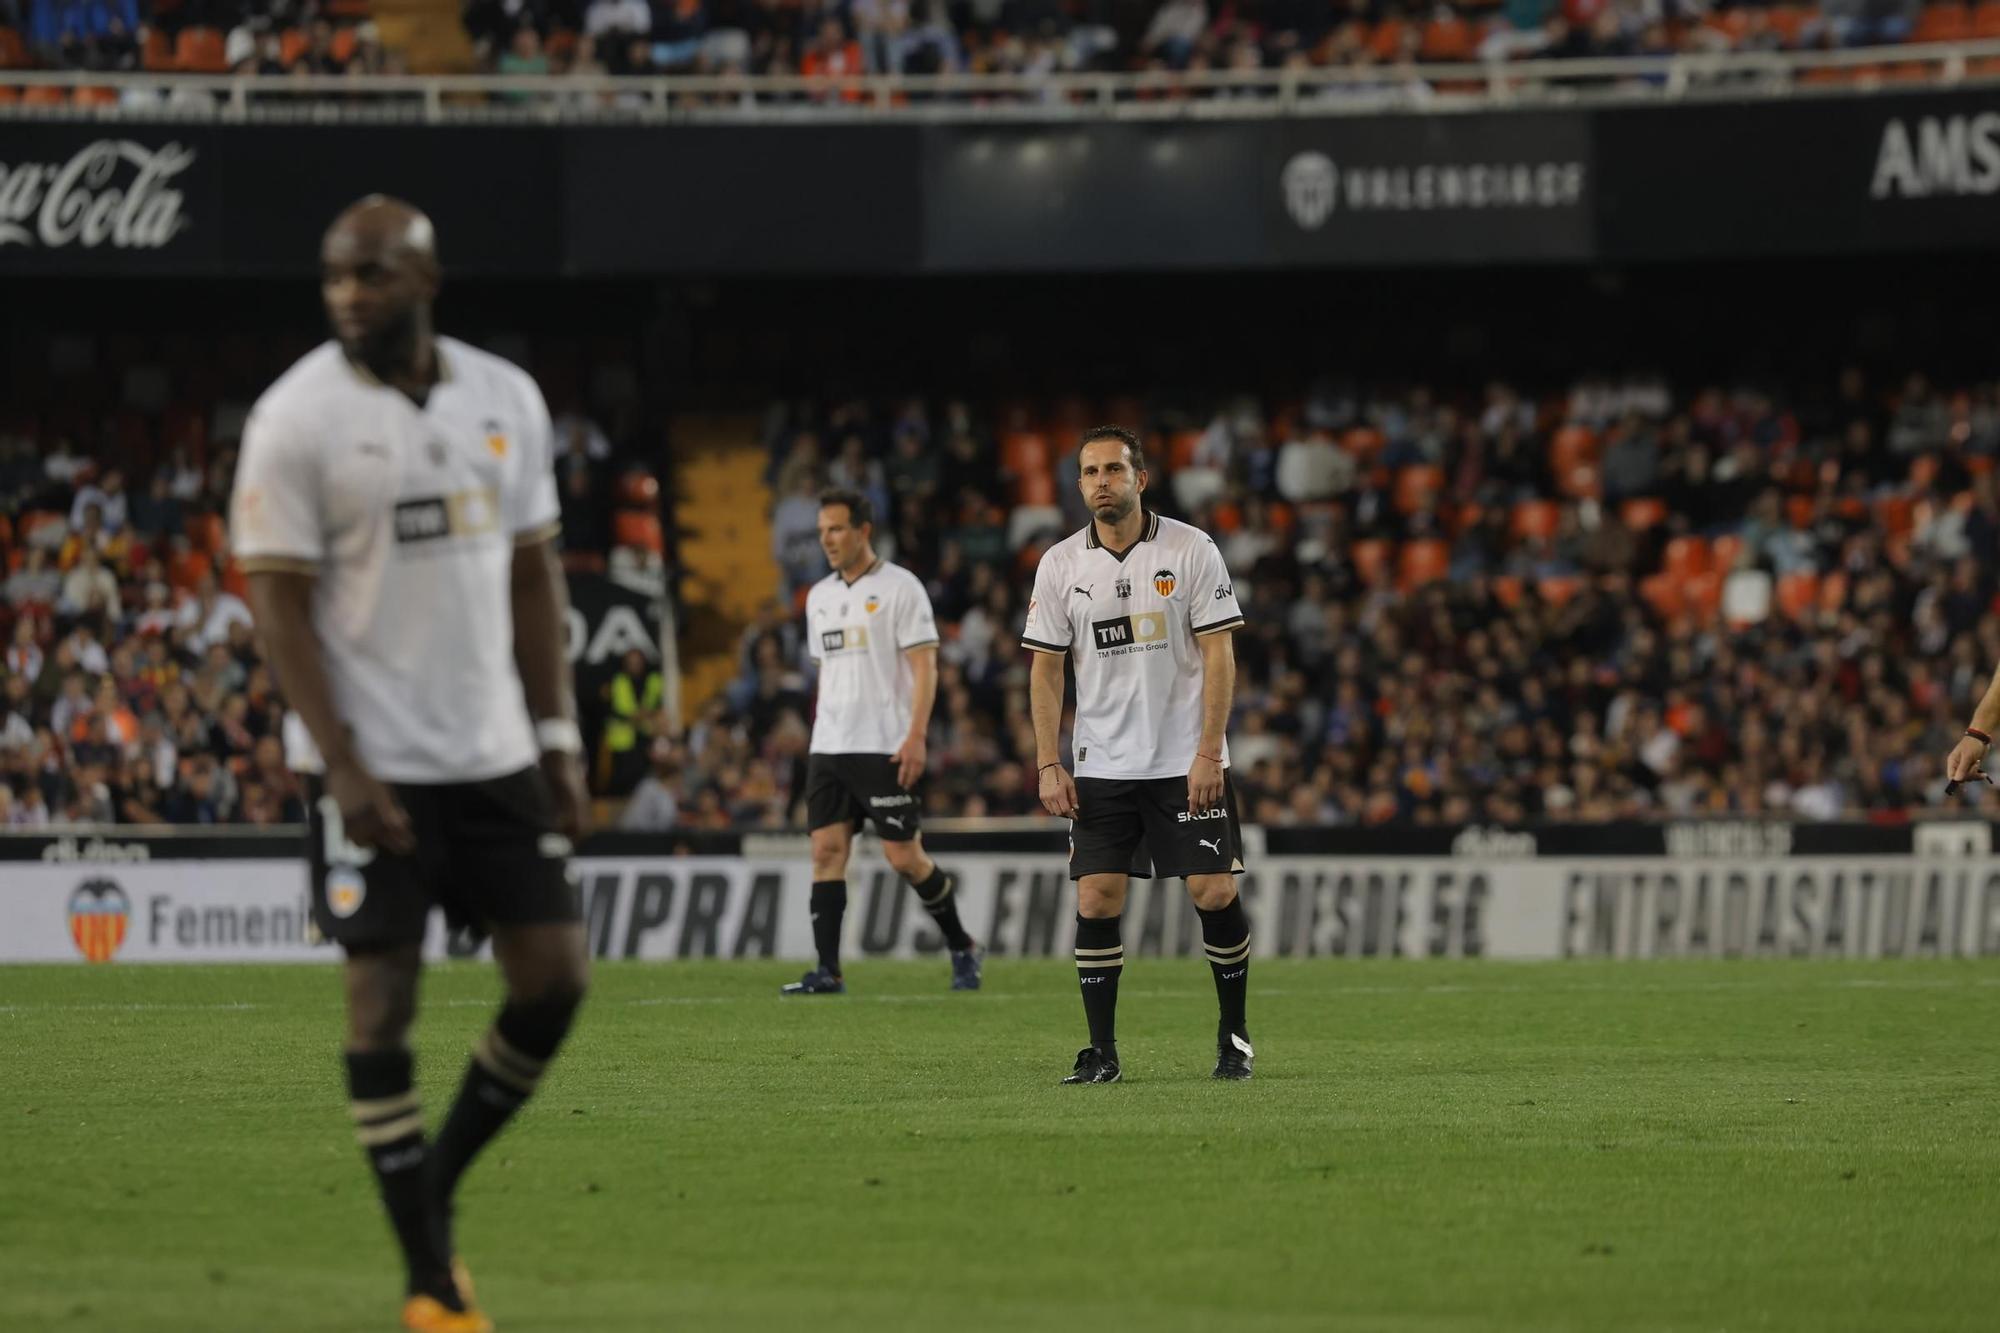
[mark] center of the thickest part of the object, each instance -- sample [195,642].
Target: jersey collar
[1146,534]
[873,565]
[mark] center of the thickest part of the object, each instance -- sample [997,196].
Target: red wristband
[1979,735]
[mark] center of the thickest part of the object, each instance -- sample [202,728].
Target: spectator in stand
[318,57]
[655,805]
[89,588]
[633,701]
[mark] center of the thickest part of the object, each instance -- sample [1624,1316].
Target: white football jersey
[408,517]
[1129,621]
[858,633]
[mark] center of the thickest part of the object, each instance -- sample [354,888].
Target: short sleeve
[1212,605]
[275,515]
[812,635]
[1048,629]
[533,512]
[916,625]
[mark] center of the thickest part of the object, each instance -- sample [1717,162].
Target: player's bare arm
[913,754]
[1218,689]
[281,601]
[1045,701]
[541,605]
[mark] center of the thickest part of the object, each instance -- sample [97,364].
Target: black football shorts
[488,853]
[1142,827]
[848,788]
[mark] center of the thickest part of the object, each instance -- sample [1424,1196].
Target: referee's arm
[1969,754]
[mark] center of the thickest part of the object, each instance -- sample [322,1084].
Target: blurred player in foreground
[395,510]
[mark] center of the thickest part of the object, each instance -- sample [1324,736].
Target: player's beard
[1118,508]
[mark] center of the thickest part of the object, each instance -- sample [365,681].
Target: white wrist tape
[559,734]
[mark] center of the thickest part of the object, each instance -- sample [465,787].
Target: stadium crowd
[1616,603]
[1474,604]
[818,38]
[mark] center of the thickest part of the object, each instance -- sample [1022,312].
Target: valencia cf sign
[98,915]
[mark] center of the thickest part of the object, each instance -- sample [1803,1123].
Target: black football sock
[389,1123]
[939,896]
[829,906]
[1100,958]
[507,1063]
[1225,934]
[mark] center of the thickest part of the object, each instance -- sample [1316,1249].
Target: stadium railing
[1225,94]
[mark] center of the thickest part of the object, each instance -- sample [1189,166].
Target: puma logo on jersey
[1215,846]
[894,821]
[1085,591]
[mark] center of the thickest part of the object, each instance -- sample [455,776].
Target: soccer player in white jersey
[1144,608]
[869,627]
[395,510]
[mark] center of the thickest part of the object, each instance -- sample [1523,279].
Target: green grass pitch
[1427,1147]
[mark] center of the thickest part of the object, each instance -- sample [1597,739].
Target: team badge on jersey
[496,437]
[1123,588]
[872,605]
[345,888]
[1163,582]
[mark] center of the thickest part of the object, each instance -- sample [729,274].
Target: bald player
[395,510]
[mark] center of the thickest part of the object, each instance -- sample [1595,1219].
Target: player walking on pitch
[395,510]
[1144,608]
[869,627]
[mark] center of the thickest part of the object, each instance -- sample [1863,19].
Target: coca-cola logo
[112,192]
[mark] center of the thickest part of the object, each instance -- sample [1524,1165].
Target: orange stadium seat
[1943,23]
[1447,39]
[1364,442]
[1536,518]
[1370,557]
[1507,591]
[1572,445]
[44,94]
[1386,39]
[640,529]
[1788,21]
[9,96]
[13,51]
[1417,483]
[291,46]
[1462,518]
[1663,592]
[1923,471]
[1558,591]
[1977,464]
[1686,557]
[95,97]
[1023,452]
[1895,514]
[1581,481]
[156,51]
[1643,512]
[1986,19]
[1704,595]
[1723,553]
[1799,509]
[1422,562]
[1798,593]
[1833,591]
[1180,448]
[201,51]
[342,48]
